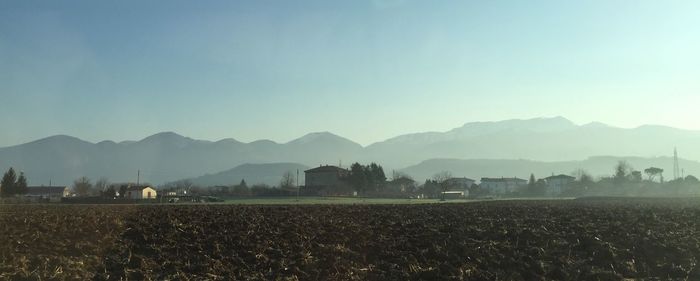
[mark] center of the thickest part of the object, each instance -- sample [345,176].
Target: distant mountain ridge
[161,157]
[269,174]
[599,166]
[545,139]
[168,156]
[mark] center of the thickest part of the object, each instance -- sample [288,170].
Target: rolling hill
[269,174]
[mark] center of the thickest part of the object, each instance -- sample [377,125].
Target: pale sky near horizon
[365,70]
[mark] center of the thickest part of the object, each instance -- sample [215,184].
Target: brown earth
[502,240]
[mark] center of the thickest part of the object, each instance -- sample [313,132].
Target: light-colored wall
[148,193]
[494,187]
[501,187]
[556,186]
[144,194]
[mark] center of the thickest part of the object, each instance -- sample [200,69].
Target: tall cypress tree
[8,183]
[376,172]
[532,185]
[21,184]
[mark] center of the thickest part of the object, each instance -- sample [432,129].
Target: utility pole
[298,188]
[676,168]
[138,177]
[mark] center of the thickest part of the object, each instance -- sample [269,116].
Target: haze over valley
[349,140]
[478,149]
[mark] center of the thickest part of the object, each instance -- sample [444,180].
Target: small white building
[140,192]
[499,186]
[556,184]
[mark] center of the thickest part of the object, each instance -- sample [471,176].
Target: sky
[365,70]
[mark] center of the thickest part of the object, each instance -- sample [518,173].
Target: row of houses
[554,185]
[325,180]
[331,176]
[55,193]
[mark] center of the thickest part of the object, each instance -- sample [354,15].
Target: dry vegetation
[506,240]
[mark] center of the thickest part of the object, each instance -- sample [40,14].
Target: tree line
[242,189]
[13,185]
[624,181]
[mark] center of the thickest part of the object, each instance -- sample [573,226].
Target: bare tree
[287,180]
[184,185]
[441,179]
[582,176]
[101,185]
[82,186]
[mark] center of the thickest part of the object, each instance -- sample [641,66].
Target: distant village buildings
[500,186]
[462,183]
[50,193]
[330,180]
[557,184]
[458,187]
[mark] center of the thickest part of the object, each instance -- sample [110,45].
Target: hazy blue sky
[366,70]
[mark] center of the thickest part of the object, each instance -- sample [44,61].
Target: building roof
[137,188]
[402,180]
[460,179]
[326,169]
[560,177]
[41,190]
[502,179]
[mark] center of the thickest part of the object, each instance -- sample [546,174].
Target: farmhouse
[556,184]
[140,192]
[458,187]
[328,179]
[51,193]
[502,185]
[463,183]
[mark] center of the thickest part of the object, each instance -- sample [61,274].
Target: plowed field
[500,240]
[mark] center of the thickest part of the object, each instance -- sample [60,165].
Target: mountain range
[167,156]
[599,166]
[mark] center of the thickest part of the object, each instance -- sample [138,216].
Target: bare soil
[605,239]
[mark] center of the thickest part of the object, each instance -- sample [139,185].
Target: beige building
[140,192]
